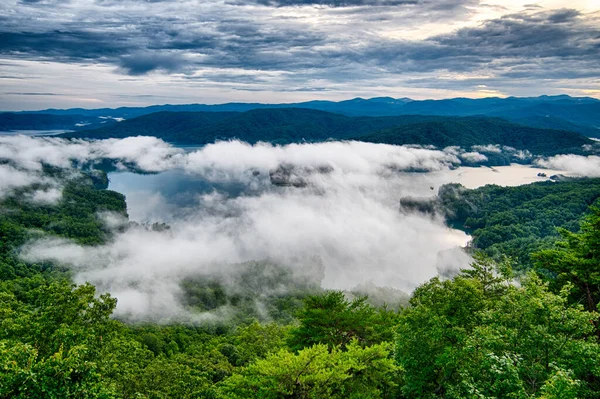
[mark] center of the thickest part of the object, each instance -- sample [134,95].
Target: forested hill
[580,114]
[514,221]
[469,131]
[289,125]
[285,125]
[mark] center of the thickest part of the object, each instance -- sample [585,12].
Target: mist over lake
[328,213]
[160,197]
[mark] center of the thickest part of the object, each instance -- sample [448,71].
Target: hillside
[513,221]
[469,131]
[284,125]
[59,337]
[166,125]
[289,125]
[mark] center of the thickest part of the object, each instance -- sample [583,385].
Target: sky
[108,53]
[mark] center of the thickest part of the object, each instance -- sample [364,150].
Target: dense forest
[497,329]
[296,125]
[513,221]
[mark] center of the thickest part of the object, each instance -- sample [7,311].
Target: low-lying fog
[164,196]
[333,219]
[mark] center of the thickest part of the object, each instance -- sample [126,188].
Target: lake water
[513,175]
[159,197]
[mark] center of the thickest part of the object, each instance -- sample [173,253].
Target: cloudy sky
[106,53]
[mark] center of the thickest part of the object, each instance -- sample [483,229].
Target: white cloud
[11,178]
[473,157]
[232,159]
[46,196]
[30,153]
[339,224]
[574,164]
[342,226]
[490,148]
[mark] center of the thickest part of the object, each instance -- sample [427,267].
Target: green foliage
[52,339]
[577,260]
[477,336]
[317,372]
[517,221]
[332,320]
[256,341]
[57,316]
[65,374]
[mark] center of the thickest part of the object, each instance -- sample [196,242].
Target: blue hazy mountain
[580,114]
[43,121]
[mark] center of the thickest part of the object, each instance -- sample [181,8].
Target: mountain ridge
[580,114]
[294,125]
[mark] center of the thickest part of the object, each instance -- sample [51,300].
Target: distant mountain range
[580,114]
[19,121]
[292,125]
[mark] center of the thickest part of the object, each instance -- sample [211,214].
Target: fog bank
[332,217]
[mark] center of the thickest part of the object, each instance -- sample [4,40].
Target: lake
[161,196]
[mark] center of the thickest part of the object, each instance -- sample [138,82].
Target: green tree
[576,260]
[332,320]
[64,374]
[479,336]
[433,331]
[317,372]
[528,342]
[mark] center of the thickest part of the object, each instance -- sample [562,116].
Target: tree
[576,260]
[478,336]
[528,342]
[332,320]
[433,331]
[64,374]
[52,341]
[317,372]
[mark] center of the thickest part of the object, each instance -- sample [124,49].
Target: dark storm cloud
[63,45]
[141,63]
[563,16]
[172,37]
[555,34]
